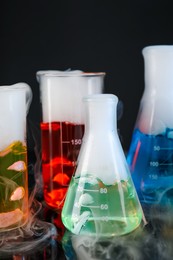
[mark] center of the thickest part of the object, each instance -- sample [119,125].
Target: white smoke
[153,241]
[61,93]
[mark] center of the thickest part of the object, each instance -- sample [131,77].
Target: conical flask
[150,156]
[101,199]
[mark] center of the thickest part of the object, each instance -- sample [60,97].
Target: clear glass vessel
[101,199]
[15,101]
[62,127]
[150,156]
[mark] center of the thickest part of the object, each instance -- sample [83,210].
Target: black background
[93,35]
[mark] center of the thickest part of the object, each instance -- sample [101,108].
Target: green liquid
[91,207]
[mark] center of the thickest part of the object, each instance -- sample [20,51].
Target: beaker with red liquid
[62,127]
[15,101]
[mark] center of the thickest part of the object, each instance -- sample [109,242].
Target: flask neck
[101,114]
[158,67]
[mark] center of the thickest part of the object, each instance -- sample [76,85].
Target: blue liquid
[150,159]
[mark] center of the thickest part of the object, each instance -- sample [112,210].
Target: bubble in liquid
[10,218]
[17,194]
[18,166]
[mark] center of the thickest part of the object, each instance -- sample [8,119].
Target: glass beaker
[101,198]
[62,127]
[15,101]
[150,156]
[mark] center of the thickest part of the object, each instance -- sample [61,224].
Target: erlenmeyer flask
[15,101]
[150,156]
[101,198]
[62,127]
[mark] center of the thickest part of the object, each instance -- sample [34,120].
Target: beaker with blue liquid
[150,156]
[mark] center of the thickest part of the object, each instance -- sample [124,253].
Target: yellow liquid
[13,186]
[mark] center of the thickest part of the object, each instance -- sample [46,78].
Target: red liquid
[61,142]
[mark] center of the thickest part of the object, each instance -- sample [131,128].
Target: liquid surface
[150,159]
[61,142]
[13,186]
[91,207]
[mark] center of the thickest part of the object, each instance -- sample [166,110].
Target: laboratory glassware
[150,156]
[15,101]
[101,199]
[62,127]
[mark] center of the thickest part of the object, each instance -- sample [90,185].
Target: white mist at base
[152,241]
[78,247]
[30,236]
[61,93]
[156,109]
[97,249]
